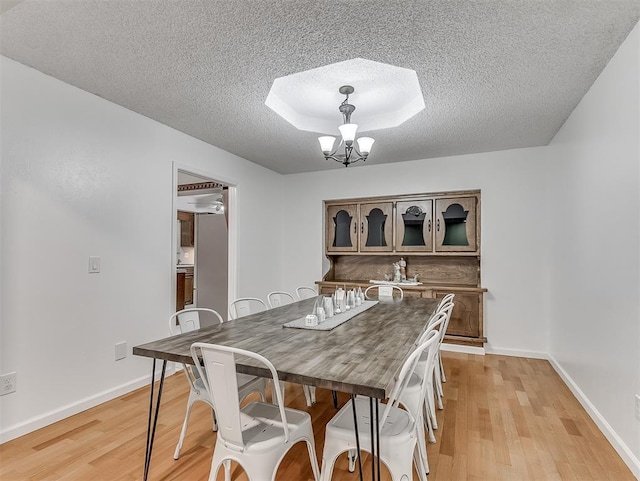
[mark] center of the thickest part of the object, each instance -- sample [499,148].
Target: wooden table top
[361,356]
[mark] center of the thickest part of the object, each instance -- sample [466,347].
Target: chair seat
[399,423]
[398,440]
[262,425]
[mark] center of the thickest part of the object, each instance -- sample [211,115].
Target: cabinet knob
[429,225]
[438,225]
[362,228]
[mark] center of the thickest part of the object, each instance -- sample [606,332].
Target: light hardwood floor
[505,418]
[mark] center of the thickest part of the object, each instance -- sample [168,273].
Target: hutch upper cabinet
[376,227]
[414,226]
[456,224]
[421,224]
[342,228]
[360,227]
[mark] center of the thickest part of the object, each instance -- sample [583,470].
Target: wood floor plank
[504,418]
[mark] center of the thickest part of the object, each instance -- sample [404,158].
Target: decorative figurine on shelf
[403,269]
[396,272]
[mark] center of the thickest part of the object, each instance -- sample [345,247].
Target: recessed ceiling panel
[385,96]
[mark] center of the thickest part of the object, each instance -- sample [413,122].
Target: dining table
[361,356]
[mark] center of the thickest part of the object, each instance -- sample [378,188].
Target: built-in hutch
[437,234]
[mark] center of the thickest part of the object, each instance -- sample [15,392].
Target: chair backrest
[436,322]
[245,306]
[218,368]
[188,320]
[429,345]
[280,298]
[444,309]
[445,300]
[304,292]
[384,292]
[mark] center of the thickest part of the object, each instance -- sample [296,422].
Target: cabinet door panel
[465,318]
[414,226]
[188,289]
[376,227]
[187,232]
[180,291]
[342,228]
[456,224]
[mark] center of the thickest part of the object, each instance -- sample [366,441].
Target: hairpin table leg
[151,430]
[355,427]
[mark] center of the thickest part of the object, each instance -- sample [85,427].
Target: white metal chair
[304,292]
[447,308]
[282,298]
[398,433]
[440,321]
[445,300]
[258,435]
[384,292]
[245,306]
[279,298]
[419,387]
[188,320]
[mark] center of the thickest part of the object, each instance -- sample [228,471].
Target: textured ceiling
[495,74]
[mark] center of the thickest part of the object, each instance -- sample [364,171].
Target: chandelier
[348,130]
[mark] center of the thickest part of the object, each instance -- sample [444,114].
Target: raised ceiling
[495,74]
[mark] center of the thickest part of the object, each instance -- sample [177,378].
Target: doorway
[202,245]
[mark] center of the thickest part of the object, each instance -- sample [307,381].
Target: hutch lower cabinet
[466,323]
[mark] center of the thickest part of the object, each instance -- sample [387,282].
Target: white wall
[513,222]
[595,212]
[84,177]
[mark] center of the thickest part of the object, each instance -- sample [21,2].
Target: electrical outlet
[638,407]
[8,383]
[120,350]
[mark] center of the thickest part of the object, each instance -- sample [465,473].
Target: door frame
[232,232]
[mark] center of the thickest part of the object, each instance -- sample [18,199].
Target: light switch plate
[94,265]
[120,350]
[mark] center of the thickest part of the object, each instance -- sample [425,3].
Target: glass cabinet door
[414,226]
[376,227]
[342,228]
[456,224]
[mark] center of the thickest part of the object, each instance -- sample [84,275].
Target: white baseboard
[63,412]
[462,348]
[516,352]
[632,462]
[492,350]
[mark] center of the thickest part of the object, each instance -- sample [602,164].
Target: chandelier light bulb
[364,144]
[326,143]
[348,132]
